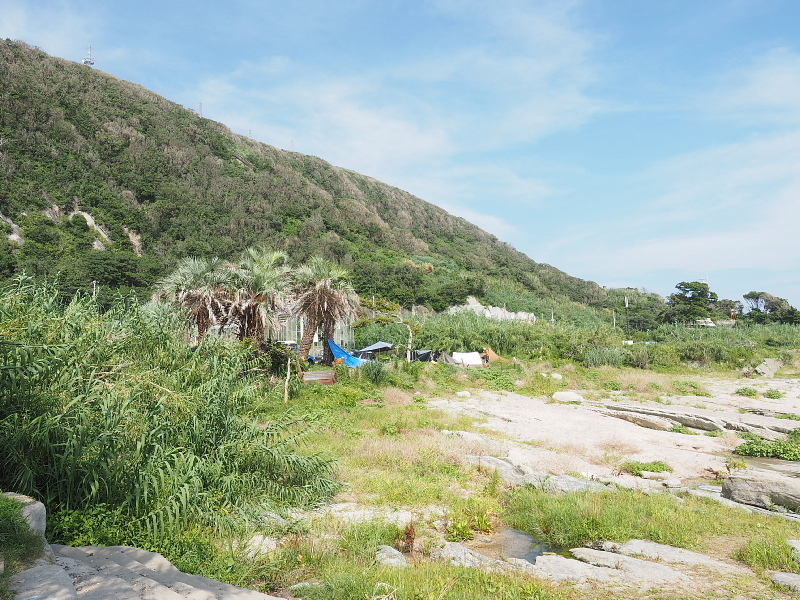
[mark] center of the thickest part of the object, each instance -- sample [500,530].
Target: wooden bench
[326,377]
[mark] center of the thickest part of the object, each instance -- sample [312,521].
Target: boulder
[33,511]
[769,367]
[390,557]
[762,488]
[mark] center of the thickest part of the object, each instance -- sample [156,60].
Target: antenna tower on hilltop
[88,61]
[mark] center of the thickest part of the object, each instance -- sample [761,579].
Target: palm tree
[324,296]
[204,287]
[262,282]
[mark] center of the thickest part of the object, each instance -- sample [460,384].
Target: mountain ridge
[147,169]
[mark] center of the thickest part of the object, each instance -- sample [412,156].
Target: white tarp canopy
[468,359]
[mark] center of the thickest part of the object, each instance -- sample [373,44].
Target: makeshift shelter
[447,359]
[423,355]
[493,357]
[370,351]
[468,359]
[347,358]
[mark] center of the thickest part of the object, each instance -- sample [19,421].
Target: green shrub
[788,449]
[773,394]
[493,379]
[612,385]
[375,372]
[679,428]
[635,467]
[747,391]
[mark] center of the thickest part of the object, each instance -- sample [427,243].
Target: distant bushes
[591,345]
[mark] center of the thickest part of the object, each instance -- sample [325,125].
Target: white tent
[468,359]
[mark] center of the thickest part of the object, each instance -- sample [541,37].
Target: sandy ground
[574,439]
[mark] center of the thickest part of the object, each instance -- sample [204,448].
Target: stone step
[153,567]
[83,566]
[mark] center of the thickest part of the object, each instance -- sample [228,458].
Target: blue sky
[631,142]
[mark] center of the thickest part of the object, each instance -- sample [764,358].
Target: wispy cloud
[768,89]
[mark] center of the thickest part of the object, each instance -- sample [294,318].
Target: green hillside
[162,183]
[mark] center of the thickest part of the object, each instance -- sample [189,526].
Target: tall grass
[111,408]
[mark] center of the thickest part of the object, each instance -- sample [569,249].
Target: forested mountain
[104,180]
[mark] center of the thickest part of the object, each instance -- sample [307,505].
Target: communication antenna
[88,61]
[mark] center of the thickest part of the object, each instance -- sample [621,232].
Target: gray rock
[657,476]
[390,557]
[634,568]
[33,511]
[459,555]
[260,544]
[795,545]
[672,482]
[45,582]
[463,394]
[648,421]
[790,580]
[669,554]
[568,397]
[566,483]
[762,489]
[769,367]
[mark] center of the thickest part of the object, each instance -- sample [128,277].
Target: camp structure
[340,354]
[493,356]
[465,359]
[424,355]
[371,350]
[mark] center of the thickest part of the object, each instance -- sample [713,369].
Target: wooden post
[286,384]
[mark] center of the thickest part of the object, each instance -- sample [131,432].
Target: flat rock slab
[459,555]
[560,568]
[45,582]
[670,554]
[643,571]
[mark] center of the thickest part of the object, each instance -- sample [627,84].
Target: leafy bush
[375,372]
[679,428]
[747,391]
[773,394]
[788,449]
[635,467]
[112,409]
[493,379]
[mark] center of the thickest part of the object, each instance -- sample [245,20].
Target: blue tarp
[339,352]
